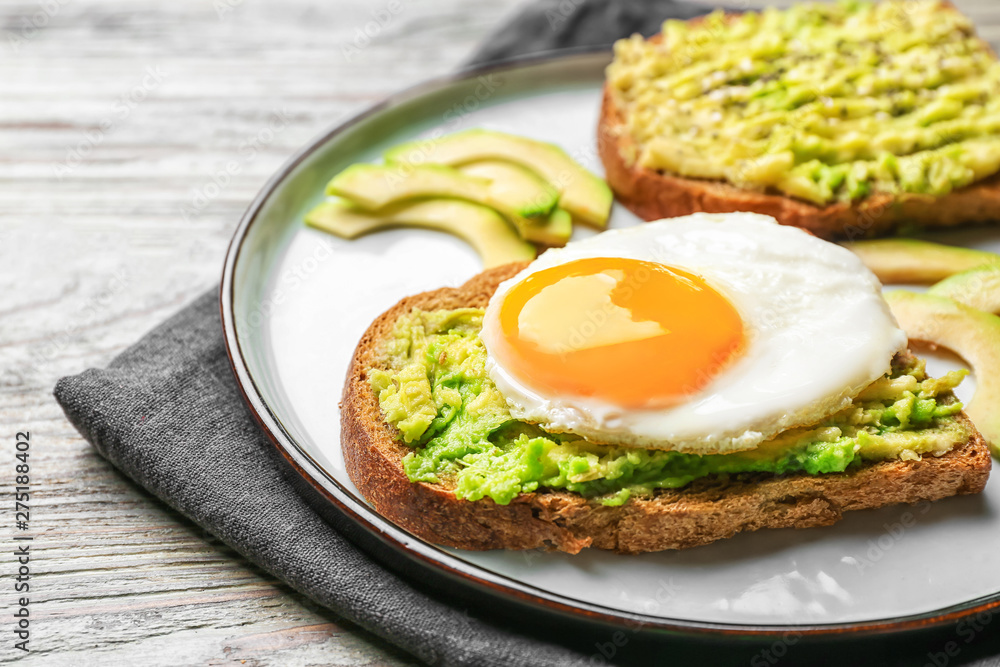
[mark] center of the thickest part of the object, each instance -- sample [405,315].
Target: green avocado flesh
[435,391]
[823,102]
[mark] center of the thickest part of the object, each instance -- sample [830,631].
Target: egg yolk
[630,332]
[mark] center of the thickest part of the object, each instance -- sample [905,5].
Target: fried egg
[707,333]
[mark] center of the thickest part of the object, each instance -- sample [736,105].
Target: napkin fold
[168,414]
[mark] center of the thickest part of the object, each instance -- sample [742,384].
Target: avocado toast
[848,119]
[707,508]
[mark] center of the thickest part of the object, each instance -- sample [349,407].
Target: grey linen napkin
[167,413]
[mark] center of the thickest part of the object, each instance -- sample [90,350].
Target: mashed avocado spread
[437,393]
[824,102]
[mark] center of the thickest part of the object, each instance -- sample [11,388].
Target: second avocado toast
[850,119]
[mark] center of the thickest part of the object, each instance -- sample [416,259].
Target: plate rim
[430,556]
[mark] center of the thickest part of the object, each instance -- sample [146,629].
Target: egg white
[817,328]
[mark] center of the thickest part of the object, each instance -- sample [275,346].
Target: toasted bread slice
[652,194]
[707,510]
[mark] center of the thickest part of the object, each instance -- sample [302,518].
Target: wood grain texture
[116,121]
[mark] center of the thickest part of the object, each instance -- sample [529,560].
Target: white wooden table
[117,123]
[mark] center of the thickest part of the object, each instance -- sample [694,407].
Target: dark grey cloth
[549,25]
[168,414]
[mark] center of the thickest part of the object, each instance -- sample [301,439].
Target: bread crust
[652,194]
[707,510]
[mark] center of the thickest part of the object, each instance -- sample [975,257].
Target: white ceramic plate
[296,301]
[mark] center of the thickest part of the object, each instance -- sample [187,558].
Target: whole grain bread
[707,510]
[652,194]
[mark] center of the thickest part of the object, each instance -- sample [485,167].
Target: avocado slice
[915,261]
[554,230]
[976,288]
[483,228]
[524,191]
[583,194]
[373,187]
[970,333]
[539,219]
